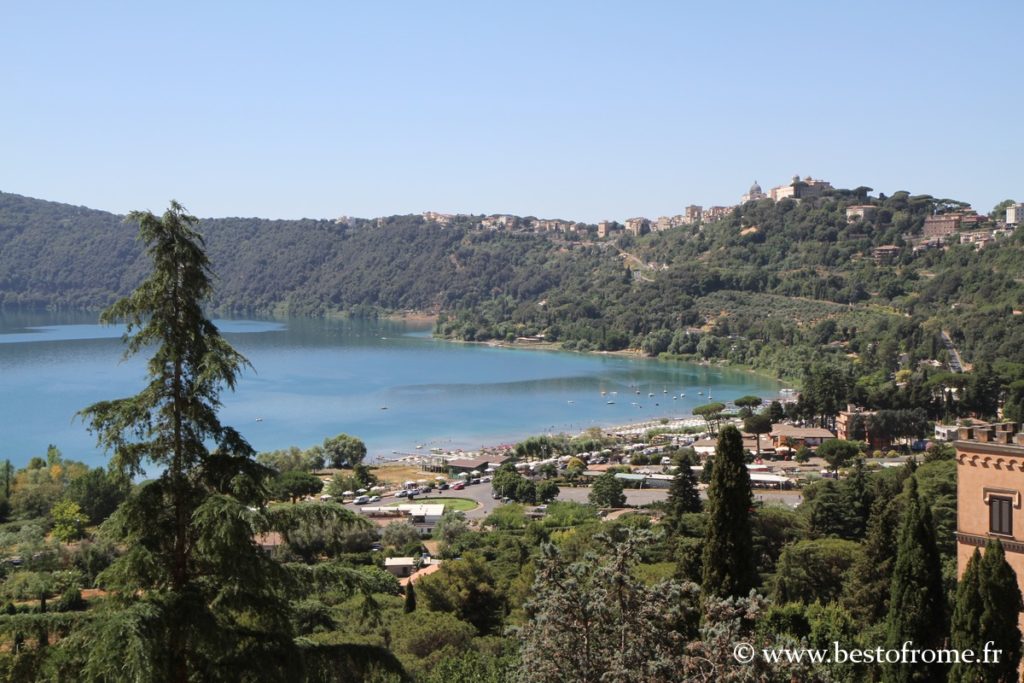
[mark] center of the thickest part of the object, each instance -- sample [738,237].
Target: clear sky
[583,110]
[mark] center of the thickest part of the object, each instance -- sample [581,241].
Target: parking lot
[482,494]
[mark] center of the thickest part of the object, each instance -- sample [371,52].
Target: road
[481,493]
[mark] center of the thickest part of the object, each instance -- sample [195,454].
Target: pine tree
[193,596]
[410,598]
[728,546]
[683,497]
[965,626]
[917,603]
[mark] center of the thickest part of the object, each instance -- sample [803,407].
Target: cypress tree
[858,496]
[917,603]
[965,626]
[410,598]
[1001,606]
[683,496]
[867,588]
[829,511]
[728,546]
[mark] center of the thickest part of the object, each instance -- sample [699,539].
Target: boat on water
[611,403]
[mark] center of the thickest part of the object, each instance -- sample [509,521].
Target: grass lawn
[457,504]
[397,473]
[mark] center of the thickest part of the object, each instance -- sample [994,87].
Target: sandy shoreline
[635,429]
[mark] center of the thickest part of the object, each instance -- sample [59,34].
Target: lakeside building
[854,424]
[423,516]
[989,485]
[479,464]
[787,436]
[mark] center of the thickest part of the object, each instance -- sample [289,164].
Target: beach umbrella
[348,493]
[360,491]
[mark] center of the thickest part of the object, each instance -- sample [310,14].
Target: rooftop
[1007,436]
[795,432]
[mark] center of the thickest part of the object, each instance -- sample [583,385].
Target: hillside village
[956,222]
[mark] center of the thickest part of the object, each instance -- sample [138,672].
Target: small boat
[651,394]
[383,407]
[570,402]
[611,403]
[259,419]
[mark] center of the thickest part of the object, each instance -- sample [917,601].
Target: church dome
[755,189]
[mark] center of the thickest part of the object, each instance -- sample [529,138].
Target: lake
[387,382]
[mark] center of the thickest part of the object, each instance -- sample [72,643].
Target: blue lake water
[387,382]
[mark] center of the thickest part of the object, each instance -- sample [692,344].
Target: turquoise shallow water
[387,382]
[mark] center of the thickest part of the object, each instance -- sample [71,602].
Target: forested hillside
[59,255]
[775,286]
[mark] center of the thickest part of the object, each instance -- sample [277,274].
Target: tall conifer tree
[867,588]
[917,603]
[683,497]
[965,625]
[193,597]
[1001,602]
[728,547]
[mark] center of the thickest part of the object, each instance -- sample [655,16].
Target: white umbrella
[360,491]
[348,493]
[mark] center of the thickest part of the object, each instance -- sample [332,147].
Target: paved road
[481,493]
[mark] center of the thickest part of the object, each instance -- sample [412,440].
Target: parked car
[474,481]
[402,494]
[458,486]
[361,500]
[374,499]
[443,487]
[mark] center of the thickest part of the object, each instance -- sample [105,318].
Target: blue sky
[583,110]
